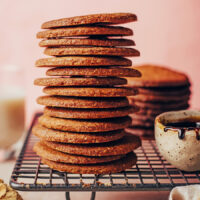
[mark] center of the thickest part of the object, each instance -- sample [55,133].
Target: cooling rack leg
[67,196]
[93,196]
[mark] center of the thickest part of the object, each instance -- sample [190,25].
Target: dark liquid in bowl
[182,127]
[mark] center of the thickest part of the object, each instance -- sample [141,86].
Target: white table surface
[6,170]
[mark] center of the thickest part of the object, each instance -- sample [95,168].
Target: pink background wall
[167,33]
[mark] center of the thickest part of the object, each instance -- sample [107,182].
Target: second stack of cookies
[82,129]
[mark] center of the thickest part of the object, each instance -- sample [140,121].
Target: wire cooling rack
[152,173]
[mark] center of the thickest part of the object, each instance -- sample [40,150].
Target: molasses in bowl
[177,135]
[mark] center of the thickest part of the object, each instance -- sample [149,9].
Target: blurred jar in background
[12,104]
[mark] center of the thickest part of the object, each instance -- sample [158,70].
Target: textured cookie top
[156,76]
[104,42]
[104,18]
[85,31]
[83,61]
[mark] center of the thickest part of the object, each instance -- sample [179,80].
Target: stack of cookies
[82,129]
[160,89]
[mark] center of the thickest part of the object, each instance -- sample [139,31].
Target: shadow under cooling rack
[152,172]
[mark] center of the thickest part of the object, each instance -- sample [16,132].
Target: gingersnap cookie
[141,131]
[156,76]
[80,125]
[85,31]
[163,106]
[80,81]
[91,91]
[120,147]
[104,18]
[74,113]
[161,98]
[91,51]
[74,137]
[104,168]
[147,123]
[71,61]
[100,41]
[83,102]
[92,71]
[164,91]
[47,153]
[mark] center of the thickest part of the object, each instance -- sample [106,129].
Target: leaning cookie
[104,18]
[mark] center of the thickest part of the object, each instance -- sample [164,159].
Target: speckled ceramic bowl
[182,151]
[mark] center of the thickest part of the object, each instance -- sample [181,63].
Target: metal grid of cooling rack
[152,172]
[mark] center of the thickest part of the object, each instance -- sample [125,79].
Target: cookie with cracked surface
[73,113]
[119,147]
[74,137]
[48,153]
[85,31]
[80,125]
[91,51]
[82,102]
[94,71]
[102,18]
[70,61]
[98,42]
[80,81]
[104,168]
[91,91]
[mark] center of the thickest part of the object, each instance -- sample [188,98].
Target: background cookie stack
[82,129]
[160,89]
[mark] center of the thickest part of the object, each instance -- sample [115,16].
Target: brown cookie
[80,81]
[162,106]
[74,113]
[100,125]
[47,153]
[85,31]
[82,61]
[104,168]
[91,51]
[147,123]
[82,102]
[164,91]
[156,76]
[103,42]
[160,98]
[120,147]
[73,137]
[104,18]
[92,71]
[91,91]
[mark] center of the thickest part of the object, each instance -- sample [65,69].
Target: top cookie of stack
[87,102]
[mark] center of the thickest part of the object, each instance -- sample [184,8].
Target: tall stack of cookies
[86,108]
[160,89]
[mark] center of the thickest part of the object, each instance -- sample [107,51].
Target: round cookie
[80,125]
[91,51]
[102,42]
[91,91]
[85,31]
[104,18]
[160,105]
[159,98]
[164,91]
[80,81]
[104,168]
[145,133]
[82,102]
[71,61]
[137,122]
[47,153]
[92,71]
[73,137]
[120,147]
[156,76]
[72,113]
